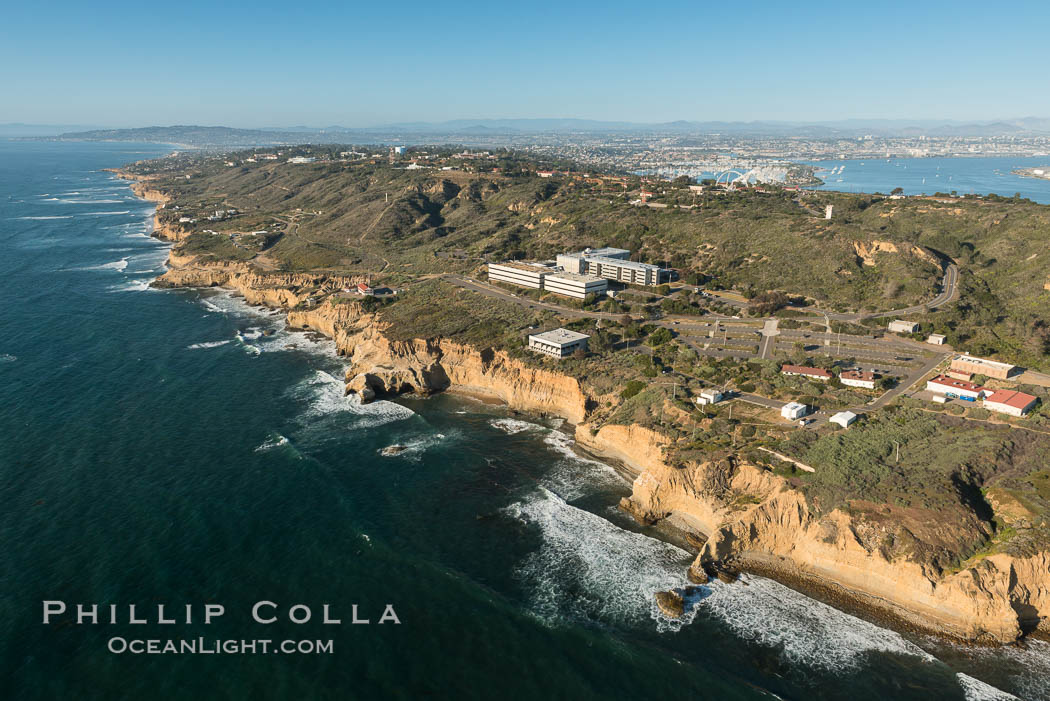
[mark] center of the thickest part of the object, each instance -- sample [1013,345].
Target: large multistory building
[522,274]
[613,264]
[574,285]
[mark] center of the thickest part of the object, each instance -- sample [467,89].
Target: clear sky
[260,63]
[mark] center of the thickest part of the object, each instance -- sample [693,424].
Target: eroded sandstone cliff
[741,513]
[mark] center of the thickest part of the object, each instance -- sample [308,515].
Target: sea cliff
[740,514]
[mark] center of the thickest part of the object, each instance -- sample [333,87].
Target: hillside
[367,216]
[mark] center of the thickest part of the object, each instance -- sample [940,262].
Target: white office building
[574,285]
[522,274]
[793,410]
[558,343]
[611,264]
[625,271]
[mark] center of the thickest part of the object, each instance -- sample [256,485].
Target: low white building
[574,285]
[558,343]
[709,396]
[936,339]
[858,378]
[1007,401]
[951,387]
[901,326]
[843,418]
[522,274]
[793,410]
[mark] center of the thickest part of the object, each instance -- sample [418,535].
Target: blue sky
[263,64]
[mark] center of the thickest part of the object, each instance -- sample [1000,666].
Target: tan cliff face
[757,520]
[747,514]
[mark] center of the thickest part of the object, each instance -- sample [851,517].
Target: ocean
[182,448]
[926,176]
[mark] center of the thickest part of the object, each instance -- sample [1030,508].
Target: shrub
[632,388]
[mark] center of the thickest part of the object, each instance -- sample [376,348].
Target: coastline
[382,367]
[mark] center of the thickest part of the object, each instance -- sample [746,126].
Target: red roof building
[815,373]
[948,386]
[858,378]
[1007,401]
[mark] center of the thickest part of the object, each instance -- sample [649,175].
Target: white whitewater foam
[209,344]
[275,440]
[512,426]
[572,475]
[805,630]
[118,265]
[132,286]
[589,568]
[104,214]
[63,216]
[7,358]
[326,395]
[976,690]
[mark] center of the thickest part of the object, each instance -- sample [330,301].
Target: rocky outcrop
[756,520]
[867,251]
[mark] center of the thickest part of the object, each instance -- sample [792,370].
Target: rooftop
[576,277]
[528,267]
[606,251]
[622,263]
[986,363]
[560,336]
[857,375]
[803,370]
[958,384]
[1008,397]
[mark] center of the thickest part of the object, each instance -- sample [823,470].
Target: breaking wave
[326,396]
[209,344]
[588,568]
[512,426]
[976,690]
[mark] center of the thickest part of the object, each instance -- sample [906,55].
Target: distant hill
[460,130]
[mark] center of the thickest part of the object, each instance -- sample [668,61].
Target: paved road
[949,292]
[769,334]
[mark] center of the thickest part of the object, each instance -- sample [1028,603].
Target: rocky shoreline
[773,532]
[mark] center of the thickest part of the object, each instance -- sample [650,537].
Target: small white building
[793,410]
[709,396]
[858,378]
[901,326]
[843,418]
[936,339]
[1007,401]
[558,343]
[302,159]
[574,285]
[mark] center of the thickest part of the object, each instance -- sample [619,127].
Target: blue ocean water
[180,447]
[918,176]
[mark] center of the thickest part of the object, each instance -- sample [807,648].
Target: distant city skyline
[265,64]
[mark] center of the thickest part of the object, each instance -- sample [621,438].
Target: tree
[579,354]
[897,191]
[659,337]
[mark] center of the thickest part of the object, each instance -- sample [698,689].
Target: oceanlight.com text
[206,646]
